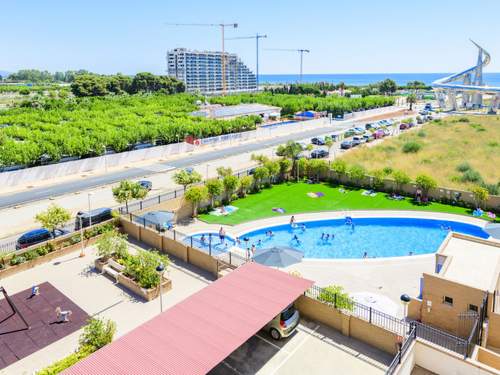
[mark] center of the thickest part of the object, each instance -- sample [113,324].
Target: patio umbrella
[159,219]
[278,256]
[493,230]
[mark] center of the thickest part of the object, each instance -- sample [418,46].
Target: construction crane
[301,51]
[257,36]
[223,57]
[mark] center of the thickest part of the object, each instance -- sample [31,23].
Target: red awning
[198,333]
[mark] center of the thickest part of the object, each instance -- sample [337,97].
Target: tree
[259,175]
[335,295]
[186,178]
[112,242]
[339,166]
[411,99]
[400,179]
[96,334]
[261,159]
[425,183]
[224,171]
[128,190]
[329,143]
[357,173]
[196,195]
[378,178]
[387,86]
[285,168]
[481,195]
[274,169]
[214,189]
[53,217]
[230,183]
[317,167]
[246,183]
[290,150]
[89,85]
[309,148]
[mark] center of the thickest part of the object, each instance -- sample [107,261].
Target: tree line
[43,76]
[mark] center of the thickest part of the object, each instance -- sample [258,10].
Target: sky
[355,36]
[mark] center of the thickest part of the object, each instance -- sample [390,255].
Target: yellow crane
[300,51]
[223,56]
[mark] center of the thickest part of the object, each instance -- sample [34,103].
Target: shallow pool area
[376,237]
[210,242]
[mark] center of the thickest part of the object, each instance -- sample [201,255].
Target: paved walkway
[97,295]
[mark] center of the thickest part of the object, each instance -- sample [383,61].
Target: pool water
[378,237]
[210,242]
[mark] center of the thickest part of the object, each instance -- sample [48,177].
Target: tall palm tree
[411,99]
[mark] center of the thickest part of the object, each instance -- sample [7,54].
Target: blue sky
[356,36]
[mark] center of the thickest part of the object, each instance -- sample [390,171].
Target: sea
[491,79]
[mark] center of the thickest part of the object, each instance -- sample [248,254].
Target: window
[473,308]
[448,300]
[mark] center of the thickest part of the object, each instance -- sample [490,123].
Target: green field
[294,199]
[458,152]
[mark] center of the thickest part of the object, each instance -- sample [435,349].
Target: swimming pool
[378,237]
[276,124]
[210,242]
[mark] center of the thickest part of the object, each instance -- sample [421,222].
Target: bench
[113,268]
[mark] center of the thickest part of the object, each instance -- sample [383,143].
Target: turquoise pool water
[378,237]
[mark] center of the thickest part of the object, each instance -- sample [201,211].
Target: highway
[37,194]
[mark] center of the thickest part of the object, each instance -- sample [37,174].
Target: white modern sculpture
[469,84]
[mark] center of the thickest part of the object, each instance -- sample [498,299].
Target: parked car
[37,236]
[319,154]
[368,137]
[420,120]
[423,112]
[379,134]
[148,185]
[93,217]
[359,131]
[358,140]
[283,324]
[318,141]
[404,126]
[369,126]
[430,118]
[349,133]
[346,145]
[428,107]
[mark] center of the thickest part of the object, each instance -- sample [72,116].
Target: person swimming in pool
[203,239]
[271,234]
[295,238]
[323,235]
[327,237]
[365,255]
[259,243]
[333,236]
[303,227]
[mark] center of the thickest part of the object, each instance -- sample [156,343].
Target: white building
[201,71]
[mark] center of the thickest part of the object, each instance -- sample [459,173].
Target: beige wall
[493,330]
[347,324]
[442,315]
[488,357]
[414,309]
[202,260]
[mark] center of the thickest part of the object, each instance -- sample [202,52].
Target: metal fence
[402,327]
[402,351]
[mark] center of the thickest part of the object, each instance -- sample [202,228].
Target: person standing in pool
[365,255]
[222,235]
[323,235]
[295,238]
[292,221]
[202,239]
[253,250]
[259,243]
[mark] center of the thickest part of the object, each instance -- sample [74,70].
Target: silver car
[283,324]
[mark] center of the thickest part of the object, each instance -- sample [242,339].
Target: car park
[36,236]
[346,145]
[319,141]
[145,184]
[319,154]
[283,324]
[86,218]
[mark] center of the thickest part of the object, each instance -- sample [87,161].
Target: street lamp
[90,216]
[82,251]
[161,270]
[405,300]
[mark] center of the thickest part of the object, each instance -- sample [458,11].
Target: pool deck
[389,277]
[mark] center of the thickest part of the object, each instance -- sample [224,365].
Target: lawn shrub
[30,255]
[17,259]
[411,146]
[422,134]
[471,175]
[463,167]
[335,295]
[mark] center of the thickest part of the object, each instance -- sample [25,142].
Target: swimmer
[271,234]
[203,239]
[333,236]
[238,241]
[327,237]
[296,239]
[303,227]
[259,243]
[292,221]
[323,235]
[410,253]
[253,250]
[365,255]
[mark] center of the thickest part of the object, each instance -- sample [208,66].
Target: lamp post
[405,300]
[161,270]
[90,216]
[82,251]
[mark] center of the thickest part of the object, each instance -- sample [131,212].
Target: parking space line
[294,350]
[231,367]
[272,343]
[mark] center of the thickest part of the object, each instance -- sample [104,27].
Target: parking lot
[312,349]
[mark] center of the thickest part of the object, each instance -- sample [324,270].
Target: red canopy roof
[198,333]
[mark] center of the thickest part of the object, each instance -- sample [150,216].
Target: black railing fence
[403,348]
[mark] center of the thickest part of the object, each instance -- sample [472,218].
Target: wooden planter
[11,270]
[131,285]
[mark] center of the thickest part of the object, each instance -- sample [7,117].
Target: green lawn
[293,198]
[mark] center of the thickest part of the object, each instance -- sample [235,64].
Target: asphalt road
[37,194]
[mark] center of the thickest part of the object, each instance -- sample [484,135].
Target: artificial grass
[294,199]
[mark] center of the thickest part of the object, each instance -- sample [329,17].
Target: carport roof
[195,335]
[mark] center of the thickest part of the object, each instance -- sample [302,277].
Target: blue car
[37,236]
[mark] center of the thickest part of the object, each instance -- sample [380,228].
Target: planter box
[128,283]
[11,270]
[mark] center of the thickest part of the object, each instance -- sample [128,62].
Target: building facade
[201,71]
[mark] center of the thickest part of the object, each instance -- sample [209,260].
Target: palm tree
[411,99]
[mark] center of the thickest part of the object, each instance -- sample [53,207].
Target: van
[36,236]
[283,324]
[93,217]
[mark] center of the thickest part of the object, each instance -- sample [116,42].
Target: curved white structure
[469,84]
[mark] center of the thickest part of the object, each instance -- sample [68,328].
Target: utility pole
[223,56]
[300,51]
[257,36]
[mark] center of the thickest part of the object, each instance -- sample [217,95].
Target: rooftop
[464,254]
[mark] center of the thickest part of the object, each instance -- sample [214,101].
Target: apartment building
[201,71]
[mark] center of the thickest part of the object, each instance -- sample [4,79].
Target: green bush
[142,267]
[30,255]
[335,295]
[17,259]
[472,175]
[64,363]
[422,134]
[463,167]
[96,334]
[411,147]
